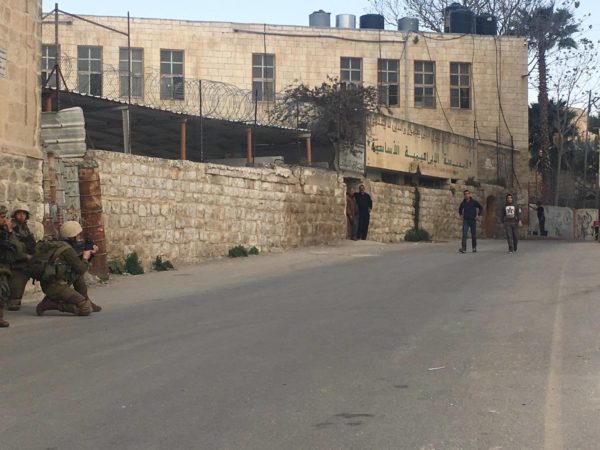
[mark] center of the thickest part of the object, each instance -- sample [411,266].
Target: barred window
[460,85]
[424,84]
[48,62]
[89,69]
[351,70]
[171,75]
[137,72]
[387,79]
[263,77]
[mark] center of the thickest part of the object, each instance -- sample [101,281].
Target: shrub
[414,235]
[472,182]
[132,264]
[253,251]
[116,267]
[237,251]
[161,266]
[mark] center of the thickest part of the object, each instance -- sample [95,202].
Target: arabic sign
[352,158]
[403,146]
[3,59]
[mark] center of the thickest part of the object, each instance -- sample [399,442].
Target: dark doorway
[490,217]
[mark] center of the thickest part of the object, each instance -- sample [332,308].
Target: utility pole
[587,141]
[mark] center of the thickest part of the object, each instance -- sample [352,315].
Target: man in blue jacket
[468,210]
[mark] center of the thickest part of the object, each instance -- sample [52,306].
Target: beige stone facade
[20,152]
[496,67]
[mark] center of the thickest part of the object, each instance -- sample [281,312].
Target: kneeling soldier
[69,268]
[19,274]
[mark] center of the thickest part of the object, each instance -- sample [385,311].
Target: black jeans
[469,224]
[364,218]
[511,236]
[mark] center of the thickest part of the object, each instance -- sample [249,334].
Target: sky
[283,12]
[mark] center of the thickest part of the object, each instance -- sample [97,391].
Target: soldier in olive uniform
[19,277]
[11,252]
[60,294]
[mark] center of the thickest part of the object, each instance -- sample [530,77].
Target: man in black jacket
[468,210]
[365,205]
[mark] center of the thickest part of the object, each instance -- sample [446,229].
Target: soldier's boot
[84,308]
[47,305]
[3,323]
[14,304]
[95,308]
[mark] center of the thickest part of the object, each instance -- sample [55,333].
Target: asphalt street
[362,346]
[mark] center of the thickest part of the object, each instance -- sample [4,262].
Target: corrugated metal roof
[63,132]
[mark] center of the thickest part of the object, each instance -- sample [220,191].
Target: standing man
[11,252]
[365,206]
[468,210]
[19,274]
[61,295]
[541,217]
[351,215]
[511,218]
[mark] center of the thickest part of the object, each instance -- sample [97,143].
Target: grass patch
[414,235]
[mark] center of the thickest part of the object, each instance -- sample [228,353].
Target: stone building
[20,151]
[471,87]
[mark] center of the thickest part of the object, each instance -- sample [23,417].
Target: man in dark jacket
[511,217]
[365,205]
[468,210]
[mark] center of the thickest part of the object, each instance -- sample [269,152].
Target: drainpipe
[182,130]
[249,157]
[90,194]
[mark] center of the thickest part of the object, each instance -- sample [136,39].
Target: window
[351,70]
[48,63]
[387,79]
[263,77]
[137,72]
[89,70]
[460,85]
[171,75]
[424,84]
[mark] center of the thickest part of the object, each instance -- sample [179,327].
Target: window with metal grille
[460,85]
[89,69]
[424,84]
[263,77]
[171,75]
[48,63]
[137,72]
[351,70]
[387,79]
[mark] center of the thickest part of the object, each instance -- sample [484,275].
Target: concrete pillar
[182,132]
[249,149]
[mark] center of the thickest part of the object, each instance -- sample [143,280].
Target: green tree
[334,110]
[547,28]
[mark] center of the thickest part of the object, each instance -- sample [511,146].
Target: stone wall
[21,181]
[185,211]
[393,211]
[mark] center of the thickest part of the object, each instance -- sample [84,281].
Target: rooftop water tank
[447,11]
[372,22]
[320,19]
[487,24]
[462,21]
[345,21]
[407,24]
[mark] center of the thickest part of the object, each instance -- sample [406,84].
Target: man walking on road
[468,210]
[511,218]
[365,206]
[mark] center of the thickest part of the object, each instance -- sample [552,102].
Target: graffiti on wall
[584,218]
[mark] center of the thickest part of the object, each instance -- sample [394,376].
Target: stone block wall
[21,182]
[185,211]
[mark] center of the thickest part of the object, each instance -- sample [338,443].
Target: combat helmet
[70,229]
[21,207]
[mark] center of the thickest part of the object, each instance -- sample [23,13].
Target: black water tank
[487,24]
[447,11]
[372,22]
[462,21]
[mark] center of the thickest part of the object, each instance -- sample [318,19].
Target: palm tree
[547,28]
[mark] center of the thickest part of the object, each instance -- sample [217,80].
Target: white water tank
[345,21]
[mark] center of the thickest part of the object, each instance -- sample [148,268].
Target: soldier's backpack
[45,264]
[8,251]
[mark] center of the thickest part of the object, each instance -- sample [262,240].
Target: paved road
[356,347]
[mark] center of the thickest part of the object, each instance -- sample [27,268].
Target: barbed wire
[206,98]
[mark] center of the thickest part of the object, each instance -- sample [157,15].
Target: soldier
[59,290]
[11,251]
[19,274]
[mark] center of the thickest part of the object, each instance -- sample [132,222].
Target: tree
[334,110]
[430,12]
[547,28]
